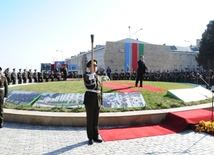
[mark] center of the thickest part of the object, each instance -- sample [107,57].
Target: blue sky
[32,30]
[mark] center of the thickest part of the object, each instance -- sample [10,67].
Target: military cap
[89,63]
[13,68]
[0,69]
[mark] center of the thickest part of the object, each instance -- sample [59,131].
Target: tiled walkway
[24,139]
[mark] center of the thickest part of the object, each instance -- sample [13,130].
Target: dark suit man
[93,99]
[140,71]
[3,94]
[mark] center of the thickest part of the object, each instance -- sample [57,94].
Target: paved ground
[23,139]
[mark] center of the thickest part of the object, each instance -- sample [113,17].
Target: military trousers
[92,112]
[1,106]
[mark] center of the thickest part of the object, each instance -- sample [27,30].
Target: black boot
[90,142]
[98,140]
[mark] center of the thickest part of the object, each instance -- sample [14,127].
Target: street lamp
[190,44]
[62,53]
[135,32]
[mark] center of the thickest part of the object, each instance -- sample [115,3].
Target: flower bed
[205,126]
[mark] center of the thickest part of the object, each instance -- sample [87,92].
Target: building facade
[124,54]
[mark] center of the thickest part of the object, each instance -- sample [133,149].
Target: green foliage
[206,49]
[154,100]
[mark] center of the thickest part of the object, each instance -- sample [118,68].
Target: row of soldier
[175,76]
[29,76]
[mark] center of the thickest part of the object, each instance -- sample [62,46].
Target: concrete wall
[157,57]
[113,56]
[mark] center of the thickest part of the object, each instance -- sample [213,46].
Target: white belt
[1,88]
[94,91]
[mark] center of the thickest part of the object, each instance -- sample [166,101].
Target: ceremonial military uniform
[133,75]
[192,77]
[176,75]
[127,75]
[35,76]
[58,76]
[52,75]
[75,75]
[13,76]
[40,77]
[186,76]
[167,76]
[122,75]
[3,93]
[157,76]
[19,76]
[24,76]
[7,75]
[115,75]
[46,76]
[65,72]
[146,76]
[93,99]
[30,76]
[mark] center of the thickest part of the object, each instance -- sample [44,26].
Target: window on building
[175,67]
[175,57]
[180,67]
[188,57]
[180,57]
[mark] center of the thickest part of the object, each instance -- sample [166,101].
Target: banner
[45,67]
[58,65]
[123,100]
[60,100]
[73,100]
[22,98]
[72,67]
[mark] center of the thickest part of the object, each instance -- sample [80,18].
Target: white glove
[91,76]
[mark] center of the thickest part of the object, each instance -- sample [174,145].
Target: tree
[205,57]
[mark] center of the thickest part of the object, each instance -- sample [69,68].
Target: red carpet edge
[175,122]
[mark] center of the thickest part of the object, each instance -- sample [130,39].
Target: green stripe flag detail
[140,50]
